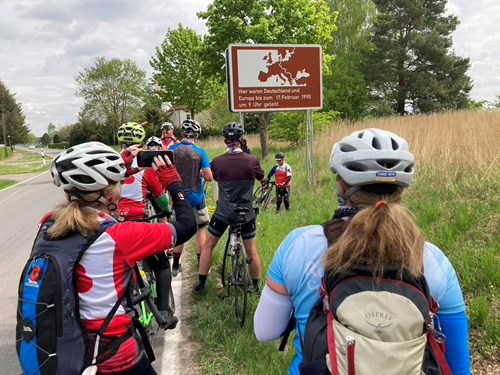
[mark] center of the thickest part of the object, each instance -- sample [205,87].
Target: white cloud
[477,37]
[44,44]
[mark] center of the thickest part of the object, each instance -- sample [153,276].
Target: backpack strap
[292,323]
[107,322]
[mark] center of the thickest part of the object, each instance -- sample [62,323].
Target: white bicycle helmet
[88,166]
[191,127]
[153,141]
[373,156]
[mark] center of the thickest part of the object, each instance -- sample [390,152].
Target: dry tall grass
[452,144]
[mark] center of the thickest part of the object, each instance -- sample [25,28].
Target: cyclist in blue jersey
[193,166]
[371,166]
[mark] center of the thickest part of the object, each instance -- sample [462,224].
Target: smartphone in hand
[145,158]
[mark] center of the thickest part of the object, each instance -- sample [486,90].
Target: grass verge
[455,200]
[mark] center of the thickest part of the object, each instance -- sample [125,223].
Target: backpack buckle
[326,300]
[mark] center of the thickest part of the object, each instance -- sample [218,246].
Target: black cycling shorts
[217,227]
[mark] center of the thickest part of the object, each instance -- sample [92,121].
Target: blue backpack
[50,336]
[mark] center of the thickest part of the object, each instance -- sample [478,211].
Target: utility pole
[4,133]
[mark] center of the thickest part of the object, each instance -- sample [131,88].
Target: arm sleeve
[164,203]
[271,172]
[456,329]
[185,221]
[272,315]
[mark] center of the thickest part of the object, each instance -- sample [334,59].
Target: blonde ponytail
[80,215]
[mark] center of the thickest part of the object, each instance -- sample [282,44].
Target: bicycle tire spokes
[225,265]
[240,284]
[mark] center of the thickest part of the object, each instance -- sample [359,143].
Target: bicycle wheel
[150,211]
[171,302]
[225,260]
[240,281]
[257,195]
[266,199]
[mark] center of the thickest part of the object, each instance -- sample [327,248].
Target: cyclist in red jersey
[167,135]
[91,175]
[283,175]
[132,207]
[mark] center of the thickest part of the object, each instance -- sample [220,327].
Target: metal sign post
[310,145]
[242,119]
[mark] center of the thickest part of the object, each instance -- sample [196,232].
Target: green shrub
[291,126]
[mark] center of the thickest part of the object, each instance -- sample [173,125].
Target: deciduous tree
[178,71]
[345,89]
[263,22]
[112,91]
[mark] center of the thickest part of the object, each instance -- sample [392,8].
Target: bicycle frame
[238,279]
[263,195]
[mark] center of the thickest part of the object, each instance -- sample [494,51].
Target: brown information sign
[266,77]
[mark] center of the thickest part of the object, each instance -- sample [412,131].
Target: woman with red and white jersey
[91,175]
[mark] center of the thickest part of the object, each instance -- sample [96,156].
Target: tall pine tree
[412,65]
[12,116]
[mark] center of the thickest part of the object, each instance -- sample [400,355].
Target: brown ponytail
[378,236]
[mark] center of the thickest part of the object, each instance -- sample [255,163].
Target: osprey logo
[379,320]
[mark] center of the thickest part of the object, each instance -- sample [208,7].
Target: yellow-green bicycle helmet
[131,133]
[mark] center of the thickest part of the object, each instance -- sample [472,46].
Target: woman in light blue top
[372,165]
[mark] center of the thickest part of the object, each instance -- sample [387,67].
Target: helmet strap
[342,196]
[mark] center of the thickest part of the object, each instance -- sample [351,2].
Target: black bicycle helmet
[233,131]
[279,156]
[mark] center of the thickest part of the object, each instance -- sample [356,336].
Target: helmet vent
[395,145]
[388,163]
[91,163]
[355,167]
[376,144]
[344,147]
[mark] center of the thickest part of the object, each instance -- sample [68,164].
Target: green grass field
[22,162]
[455,199]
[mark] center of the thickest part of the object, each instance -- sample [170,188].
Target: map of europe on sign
[274,77]
[278,67]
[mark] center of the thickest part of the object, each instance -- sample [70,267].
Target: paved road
[21,208]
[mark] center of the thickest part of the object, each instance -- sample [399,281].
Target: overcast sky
[44,44]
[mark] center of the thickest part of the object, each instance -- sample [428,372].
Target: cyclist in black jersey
[235,172]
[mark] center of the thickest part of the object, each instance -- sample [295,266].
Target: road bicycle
[263,195]
[144,294]
[235,275]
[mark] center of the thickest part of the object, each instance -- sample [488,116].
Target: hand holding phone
[145,158]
